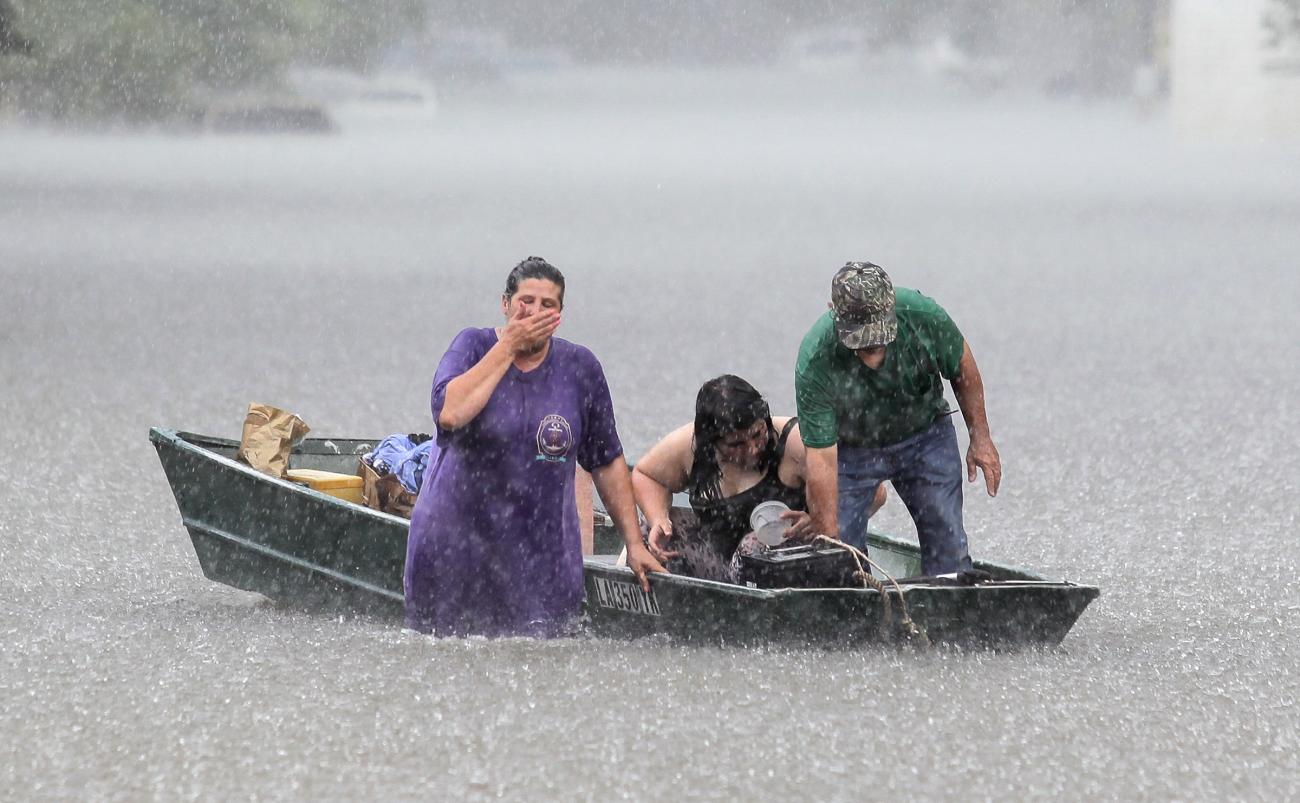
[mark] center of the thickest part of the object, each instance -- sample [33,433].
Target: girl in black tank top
[723,521]
[733,428]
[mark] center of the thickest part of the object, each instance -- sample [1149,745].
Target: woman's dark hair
[724,405]
[534,268]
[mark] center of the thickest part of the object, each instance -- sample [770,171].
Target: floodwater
[1131,298]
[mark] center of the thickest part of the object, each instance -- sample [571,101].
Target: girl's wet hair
[724,405]
[534,268]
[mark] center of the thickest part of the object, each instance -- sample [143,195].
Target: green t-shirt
[840,400]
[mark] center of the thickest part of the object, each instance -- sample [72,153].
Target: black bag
[805,566]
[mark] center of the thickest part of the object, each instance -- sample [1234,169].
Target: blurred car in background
[827,51]
[385,95]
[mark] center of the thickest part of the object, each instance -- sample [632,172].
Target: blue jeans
[926,471]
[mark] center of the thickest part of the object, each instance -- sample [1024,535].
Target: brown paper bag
[269,435]
[385,492]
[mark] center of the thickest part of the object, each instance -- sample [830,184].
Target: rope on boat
[869,581]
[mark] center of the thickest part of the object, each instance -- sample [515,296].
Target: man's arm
[968,387]
[817,423]
[614,484]
[823,489]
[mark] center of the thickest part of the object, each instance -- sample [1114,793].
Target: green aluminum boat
[307,549]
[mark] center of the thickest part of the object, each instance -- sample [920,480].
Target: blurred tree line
[147,60]
[1089,47]
[699,31]
[755,31]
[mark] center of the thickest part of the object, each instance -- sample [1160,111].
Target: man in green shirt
[869,388]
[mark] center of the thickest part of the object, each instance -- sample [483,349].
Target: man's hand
[801,525]
[641,562]
[983,455]
[968,387]
[879,500]
[524,333]
[661,534]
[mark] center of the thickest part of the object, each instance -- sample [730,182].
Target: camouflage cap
[862,297]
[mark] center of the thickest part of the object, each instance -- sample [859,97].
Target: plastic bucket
[765,519]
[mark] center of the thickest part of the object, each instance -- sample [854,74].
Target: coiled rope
[910,628]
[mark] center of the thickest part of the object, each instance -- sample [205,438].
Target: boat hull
[285,541]
[1003,613]
[304,548]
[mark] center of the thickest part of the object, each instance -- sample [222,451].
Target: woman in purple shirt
[495,548]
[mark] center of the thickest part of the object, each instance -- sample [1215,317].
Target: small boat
[305,548]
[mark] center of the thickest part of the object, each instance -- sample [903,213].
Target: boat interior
[339,455]
[892,557]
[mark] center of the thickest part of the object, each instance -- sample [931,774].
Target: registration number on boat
[625,597]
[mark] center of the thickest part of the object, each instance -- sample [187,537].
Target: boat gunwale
[905,588]
[181,440]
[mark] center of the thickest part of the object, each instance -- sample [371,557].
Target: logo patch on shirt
[554,439]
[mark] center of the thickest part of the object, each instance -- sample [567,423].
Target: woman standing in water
[732,457]
[494,547]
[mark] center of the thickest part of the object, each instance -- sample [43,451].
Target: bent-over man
[869,392]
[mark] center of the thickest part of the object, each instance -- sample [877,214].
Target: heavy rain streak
[301,202]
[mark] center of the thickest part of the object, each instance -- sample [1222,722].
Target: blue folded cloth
[406,456]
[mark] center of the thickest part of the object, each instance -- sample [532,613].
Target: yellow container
[344,486]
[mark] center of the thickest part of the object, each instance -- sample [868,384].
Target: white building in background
[1235,68]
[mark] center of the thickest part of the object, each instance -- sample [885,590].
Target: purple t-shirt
[494,547]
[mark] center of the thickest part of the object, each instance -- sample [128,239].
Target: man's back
[841,400]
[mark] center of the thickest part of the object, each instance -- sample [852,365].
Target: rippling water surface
[1131,298]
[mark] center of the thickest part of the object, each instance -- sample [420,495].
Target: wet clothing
[701,560]
[711,547]
[891,423]
[411,466]
[842,401]
[407,456]
[494,547]
[926,472]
